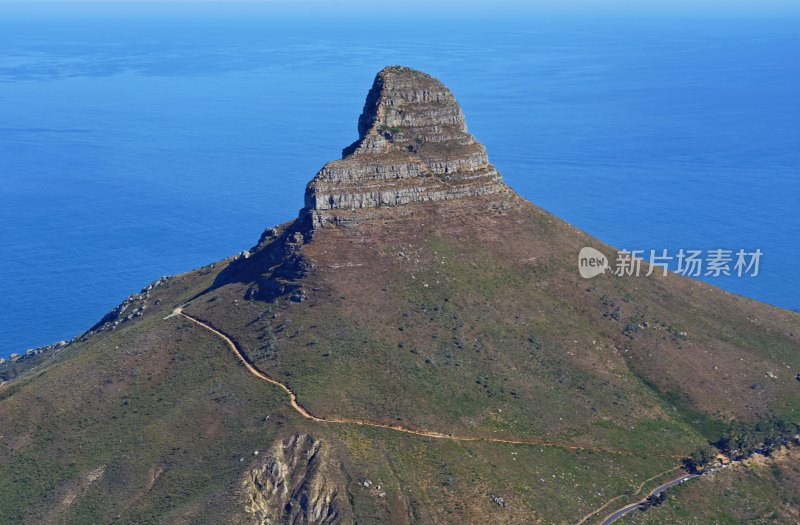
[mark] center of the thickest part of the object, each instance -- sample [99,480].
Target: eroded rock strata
[299,483]
[413,146]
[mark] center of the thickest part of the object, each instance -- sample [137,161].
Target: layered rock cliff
[413,146]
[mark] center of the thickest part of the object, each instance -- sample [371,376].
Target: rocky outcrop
[131,308]
[298,483]
[19,364]
[413,146]
[274,267]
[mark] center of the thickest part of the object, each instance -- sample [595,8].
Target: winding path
[300,409]
[305,413]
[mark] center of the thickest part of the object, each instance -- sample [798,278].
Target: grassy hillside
[147,422]
[465,320]
[157,423]
[479,323]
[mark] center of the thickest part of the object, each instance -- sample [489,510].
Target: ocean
[136,147]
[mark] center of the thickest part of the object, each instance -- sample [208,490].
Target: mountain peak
[406,108]
[413,146]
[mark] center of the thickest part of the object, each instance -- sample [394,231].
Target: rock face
[413,146]
[298,483]
[274,266]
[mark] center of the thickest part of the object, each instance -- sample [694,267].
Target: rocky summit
[413,146]
[417,346]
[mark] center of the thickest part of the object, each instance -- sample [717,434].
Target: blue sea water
[133,147]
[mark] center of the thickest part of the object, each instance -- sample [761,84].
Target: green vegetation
[700,459]
[741,440]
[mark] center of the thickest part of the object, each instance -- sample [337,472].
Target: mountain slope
[416,291]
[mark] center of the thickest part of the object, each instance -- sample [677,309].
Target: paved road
[655,492]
